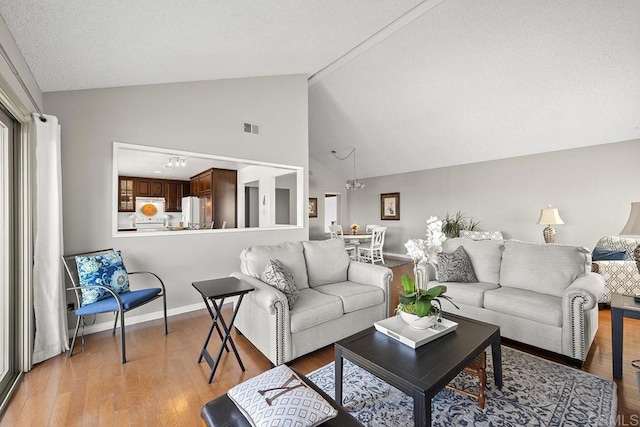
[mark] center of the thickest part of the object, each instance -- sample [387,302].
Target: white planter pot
[418,322]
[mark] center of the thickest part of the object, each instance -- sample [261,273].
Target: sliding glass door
[8,287]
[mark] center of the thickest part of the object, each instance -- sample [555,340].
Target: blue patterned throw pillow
[105,269]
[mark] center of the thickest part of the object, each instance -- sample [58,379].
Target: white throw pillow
[279,397]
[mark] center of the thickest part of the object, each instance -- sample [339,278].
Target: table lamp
[633,228]
[550,217]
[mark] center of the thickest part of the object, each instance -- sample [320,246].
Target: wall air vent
[251,128]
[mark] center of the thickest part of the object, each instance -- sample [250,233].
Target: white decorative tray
[399,330]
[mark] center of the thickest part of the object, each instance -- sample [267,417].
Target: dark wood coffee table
[424,371]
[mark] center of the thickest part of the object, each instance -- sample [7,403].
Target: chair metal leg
[164,302]
[115,323]
[124,351]
[75,334]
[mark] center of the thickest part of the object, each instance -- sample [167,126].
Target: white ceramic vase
[419,322]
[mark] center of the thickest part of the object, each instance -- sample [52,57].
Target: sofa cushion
[485,256]
[354,296]
[254,259]
[466,293]
[276,274]
[455,267]
[546,268]
[313,308]
[327,261]
[541,308]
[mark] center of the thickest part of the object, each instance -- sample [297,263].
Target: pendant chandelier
[352,184]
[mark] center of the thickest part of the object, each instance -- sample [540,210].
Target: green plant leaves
[408,285]
[422,308]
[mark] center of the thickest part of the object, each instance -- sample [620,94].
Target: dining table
[357,239]
[357,236]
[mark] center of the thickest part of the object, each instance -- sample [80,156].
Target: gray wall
[204,117]
[321,181]
[592,188]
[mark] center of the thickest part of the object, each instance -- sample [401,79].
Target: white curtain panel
[51,334]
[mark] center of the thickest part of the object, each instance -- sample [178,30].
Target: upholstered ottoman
[223,412]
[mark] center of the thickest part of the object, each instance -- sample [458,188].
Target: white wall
[322,180]
[204,117]
[592,188]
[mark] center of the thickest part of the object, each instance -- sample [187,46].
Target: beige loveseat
[337,297]
[539,294]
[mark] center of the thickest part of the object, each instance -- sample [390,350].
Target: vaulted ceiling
[411,84]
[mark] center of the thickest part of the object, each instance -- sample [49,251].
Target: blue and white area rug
[535,392]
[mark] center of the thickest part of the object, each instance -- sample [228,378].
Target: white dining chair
[336,233]
[373,252]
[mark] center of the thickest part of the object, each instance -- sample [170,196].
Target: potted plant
[452,224]
[420,308]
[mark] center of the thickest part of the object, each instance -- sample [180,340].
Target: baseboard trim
[396,255]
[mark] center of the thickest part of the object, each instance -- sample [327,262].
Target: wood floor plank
[163,385]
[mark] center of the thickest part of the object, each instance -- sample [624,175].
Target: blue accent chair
[118,303]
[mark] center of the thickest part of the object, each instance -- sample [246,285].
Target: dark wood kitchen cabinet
[131,187]
[126,199]
[149,187]
[174,191]
[217,190]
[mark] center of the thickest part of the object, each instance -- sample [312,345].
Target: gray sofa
[541,295]
[337,297]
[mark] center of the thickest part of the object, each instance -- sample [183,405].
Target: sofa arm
[265,296]
[589,287]
[370,274]
[580,314]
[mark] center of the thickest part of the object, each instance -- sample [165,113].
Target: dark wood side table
[424,371]
[621,306]
[213,293]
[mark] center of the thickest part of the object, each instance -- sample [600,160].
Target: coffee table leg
[338,376]
[496,354]
[421,410]
[616,335]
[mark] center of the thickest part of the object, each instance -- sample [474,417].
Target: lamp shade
[550,216]
[633,224]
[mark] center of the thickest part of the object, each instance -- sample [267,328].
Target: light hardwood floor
[162,383]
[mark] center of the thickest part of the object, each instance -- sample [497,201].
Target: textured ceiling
[471,81]
[458,82]
[73,44]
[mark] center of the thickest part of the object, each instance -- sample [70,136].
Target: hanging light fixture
[352,184]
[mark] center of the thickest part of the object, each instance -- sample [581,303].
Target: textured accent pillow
[600,254]
[106,270]
[481,235]
[455,267]
[279,397]
[276,274]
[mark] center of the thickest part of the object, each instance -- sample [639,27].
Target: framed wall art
[313,207]
[390,206]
